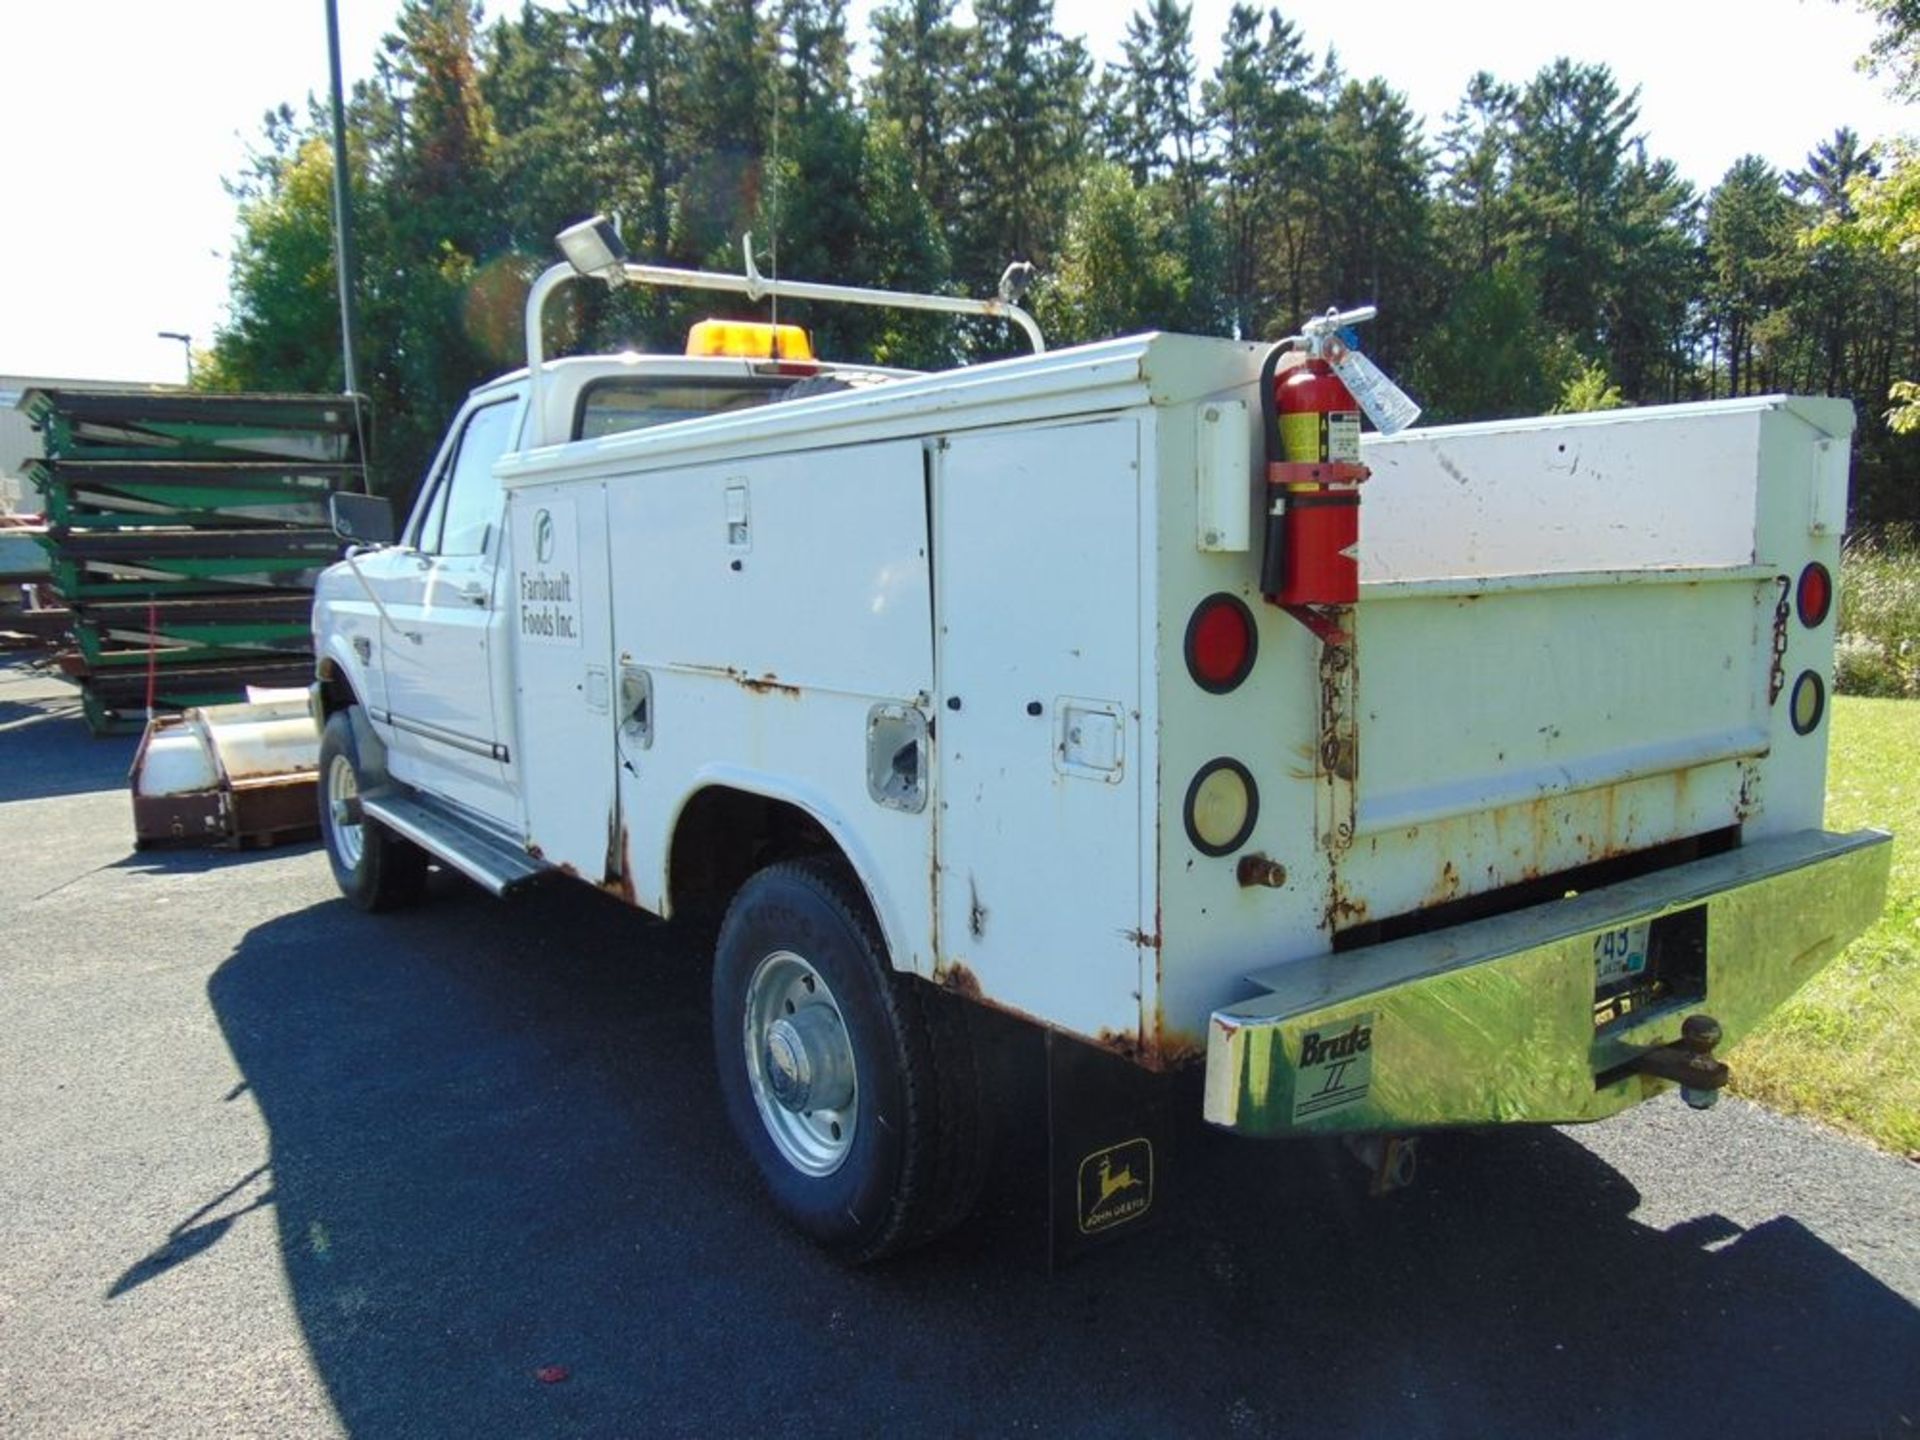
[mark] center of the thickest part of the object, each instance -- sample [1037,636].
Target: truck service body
[1467,852]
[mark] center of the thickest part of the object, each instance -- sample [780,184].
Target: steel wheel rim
[344,786]
[814,1139]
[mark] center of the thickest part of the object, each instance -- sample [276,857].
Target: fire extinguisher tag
[1389,407]
[1343,436]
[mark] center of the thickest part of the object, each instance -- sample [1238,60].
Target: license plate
[1620,954]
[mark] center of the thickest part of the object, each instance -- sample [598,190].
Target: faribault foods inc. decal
[546,576]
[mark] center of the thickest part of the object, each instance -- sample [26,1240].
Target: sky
[120,119]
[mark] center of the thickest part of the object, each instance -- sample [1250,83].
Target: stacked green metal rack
[185,531]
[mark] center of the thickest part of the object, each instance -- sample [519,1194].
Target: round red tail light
[1221,643]
[1815,594]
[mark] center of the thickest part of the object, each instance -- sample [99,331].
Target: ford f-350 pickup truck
[966,690]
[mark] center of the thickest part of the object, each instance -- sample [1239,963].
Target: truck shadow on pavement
[496,1147]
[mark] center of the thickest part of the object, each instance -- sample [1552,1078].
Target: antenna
[779,42]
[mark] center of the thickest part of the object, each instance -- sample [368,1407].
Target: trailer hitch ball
[1699,1034]
[1689,1062]
[1399,1163]
[1390,1160]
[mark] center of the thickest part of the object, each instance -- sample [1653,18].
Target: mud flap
[1109,1134]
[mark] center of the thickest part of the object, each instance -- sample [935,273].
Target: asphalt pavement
[270,1166]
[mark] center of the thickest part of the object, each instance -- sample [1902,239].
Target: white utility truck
[963,690]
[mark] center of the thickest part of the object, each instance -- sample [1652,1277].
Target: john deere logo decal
[543,537]
[1116,1185]
[1335,1068]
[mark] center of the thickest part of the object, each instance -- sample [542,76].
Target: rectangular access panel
[1038,734]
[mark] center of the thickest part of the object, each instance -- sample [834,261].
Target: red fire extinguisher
[1314,474]
[1314,494]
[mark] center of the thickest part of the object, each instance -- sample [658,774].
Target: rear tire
[375,869]
[853,1090]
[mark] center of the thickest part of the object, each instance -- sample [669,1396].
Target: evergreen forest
[1530,252]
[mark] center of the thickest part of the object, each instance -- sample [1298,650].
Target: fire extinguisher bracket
[1315,472]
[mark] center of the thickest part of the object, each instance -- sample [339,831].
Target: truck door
[1037,636]
[446,736]
[555,588]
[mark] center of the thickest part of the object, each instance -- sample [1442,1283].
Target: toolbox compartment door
[1040,759]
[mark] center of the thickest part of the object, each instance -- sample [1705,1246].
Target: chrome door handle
[473,591]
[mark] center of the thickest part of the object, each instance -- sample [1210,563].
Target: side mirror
[361,519]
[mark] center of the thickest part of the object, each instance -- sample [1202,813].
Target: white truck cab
[961,690]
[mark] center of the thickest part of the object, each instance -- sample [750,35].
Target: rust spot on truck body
[955,976]
[1160,1050]
[618,879]
[767,683]
[1521,842]
[1343,910]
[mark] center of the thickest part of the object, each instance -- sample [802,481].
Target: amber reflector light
[1808,703]
[1222,806]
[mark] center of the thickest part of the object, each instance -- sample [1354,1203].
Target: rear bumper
[1492,1022]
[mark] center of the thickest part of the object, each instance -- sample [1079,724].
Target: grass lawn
[1847,1048]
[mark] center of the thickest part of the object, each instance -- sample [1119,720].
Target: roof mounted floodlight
[593,247]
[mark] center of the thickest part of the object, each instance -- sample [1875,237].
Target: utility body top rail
[755,287]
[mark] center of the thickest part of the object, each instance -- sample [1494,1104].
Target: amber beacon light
[749,340]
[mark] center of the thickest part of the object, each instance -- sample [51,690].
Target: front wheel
[853,1089]
[374,868]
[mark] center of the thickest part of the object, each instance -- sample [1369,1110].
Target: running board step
[488,859]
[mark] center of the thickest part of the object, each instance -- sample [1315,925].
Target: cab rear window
[608,407]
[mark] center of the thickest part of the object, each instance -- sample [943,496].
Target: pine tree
[1163,141]
[1477,171]
[1023,137]
[1376,245]
[1266,136]
[1649,314]
[918,84]
[634,58]
[1751,252]
[724,123]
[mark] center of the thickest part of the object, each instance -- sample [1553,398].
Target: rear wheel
[374,868]
[853,1089]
